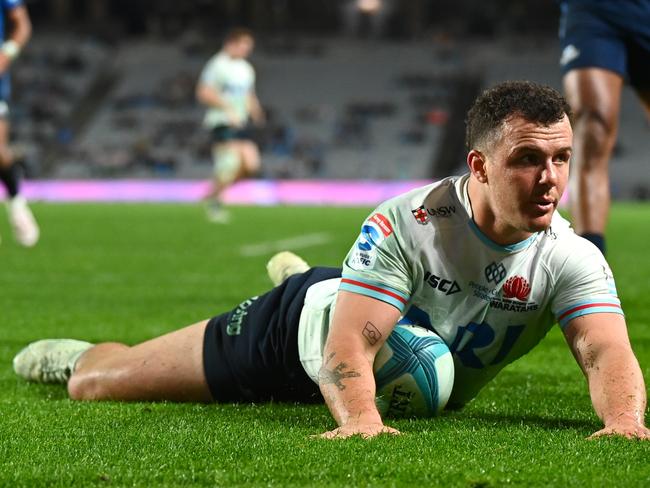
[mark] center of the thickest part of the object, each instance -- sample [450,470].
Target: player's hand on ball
[629,430]
[365,431]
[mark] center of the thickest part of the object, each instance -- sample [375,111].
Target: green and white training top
[422,253]
[234,79]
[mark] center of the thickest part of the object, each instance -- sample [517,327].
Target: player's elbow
[198,94]
[202,94]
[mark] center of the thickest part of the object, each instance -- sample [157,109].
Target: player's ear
[476,162]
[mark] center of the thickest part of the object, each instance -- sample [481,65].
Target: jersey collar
[517,246]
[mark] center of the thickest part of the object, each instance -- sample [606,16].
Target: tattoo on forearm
[371,333]
[335,376]
[329,358]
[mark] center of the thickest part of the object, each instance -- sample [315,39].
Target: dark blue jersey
[629,15]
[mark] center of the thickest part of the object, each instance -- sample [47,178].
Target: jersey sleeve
[211,74]
[251,73]
[585,286]
[377,265]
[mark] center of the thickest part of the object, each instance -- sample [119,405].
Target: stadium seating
[338,108]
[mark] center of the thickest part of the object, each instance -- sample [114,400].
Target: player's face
[242,47]
[527,171]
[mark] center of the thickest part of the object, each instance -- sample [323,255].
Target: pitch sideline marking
[290,243]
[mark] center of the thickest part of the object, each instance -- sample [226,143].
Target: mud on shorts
[250,354]
[611,35]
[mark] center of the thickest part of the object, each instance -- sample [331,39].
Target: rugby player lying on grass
[507,267]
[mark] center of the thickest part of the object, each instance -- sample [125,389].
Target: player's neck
[486,220]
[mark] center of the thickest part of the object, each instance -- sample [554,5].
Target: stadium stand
[338,108]
[51,84]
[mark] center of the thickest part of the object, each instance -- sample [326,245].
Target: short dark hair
[237,33]
[534,102]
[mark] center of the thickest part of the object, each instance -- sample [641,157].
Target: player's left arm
[19,34]
[601,346]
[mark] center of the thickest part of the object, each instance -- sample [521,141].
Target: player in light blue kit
[226,88]
[16,33]
[483,259]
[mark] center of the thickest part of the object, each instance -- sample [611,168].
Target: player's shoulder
[220,57]
[215,62]
[438,201]
[565,238]
[405,222]
[426,193]
[564,249]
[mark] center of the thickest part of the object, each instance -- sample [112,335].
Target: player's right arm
[377,277]
[20,32]
[360,326]
[601,346]
[211,97]
[589,312]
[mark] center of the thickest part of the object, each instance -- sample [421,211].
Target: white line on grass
[290,243]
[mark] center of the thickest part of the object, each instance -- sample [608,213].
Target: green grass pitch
[128,272]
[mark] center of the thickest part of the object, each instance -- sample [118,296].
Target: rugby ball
[414,373]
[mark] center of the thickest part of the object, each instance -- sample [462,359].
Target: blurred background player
[15,28]
[605,43]
[227,88]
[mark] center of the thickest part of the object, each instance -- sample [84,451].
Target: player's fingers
[390,430]
[640,434]
[332,434]
[383,430]
[595,435]
[340,433]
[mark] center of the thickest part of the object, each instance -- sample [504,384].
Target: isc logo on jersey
[373,233]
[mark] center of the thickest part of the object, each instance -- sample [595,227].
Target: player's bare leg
[250,157]
[227,164]
[24,225]
[6,156]
[234,160]
[217,188]
[594,95]
[169,367]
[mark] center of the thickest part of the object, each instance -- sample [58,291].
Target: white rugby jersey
[234,78]
[422,253]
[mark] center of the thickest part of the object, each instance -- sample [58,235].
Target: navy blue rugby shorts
[225,133]
[250,354]
[613,35]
